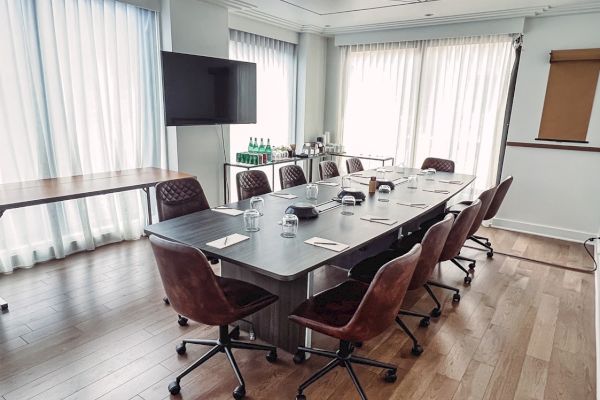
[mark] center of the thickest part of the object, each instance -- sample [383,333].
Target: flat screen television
[202,90]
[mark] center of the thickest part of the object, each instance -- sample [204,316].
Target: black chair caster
[436,312]
[182,321]
[180,349]
[390,376]
[174,387]
[166,300]
[239,393]
[300,397]
[472,266]
[417,350]
[424,323]
[456,297]
[490,254]
[468,280]
[272,356]
[299,357]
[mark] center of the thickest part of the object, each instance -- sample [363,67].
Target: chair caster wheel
[424,323]
[182,321]
[239,393]
[166,300]
[358,345]
[456,297]
[490,254]
[299,357]
[436,312]
[472,266]
[174,387]
[300,397]
[272,356]
[180,349]
[417,350]
[390,376]
[488,243]
[468,280]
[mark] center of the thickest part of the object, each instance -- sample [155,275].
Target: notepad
[327,244]
[327,183]
[227,241]
[284,195]
[440,191]
[229,211]
[416,205]
[451,182]
[379,220]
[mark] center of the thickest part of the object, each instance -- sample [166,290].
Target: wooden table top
[287,259]
[28,193]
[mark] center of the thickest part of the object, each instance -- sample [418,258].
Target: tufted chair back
[354,165]
[251,183]
[439,164]
[290,176]
[179,197]
[328,169]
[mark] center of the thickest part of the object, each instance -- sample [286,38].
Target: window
[79,94]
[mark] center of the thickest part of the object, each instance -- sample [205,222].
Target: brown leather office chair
[290,176]
[354,312]
[501,191]
[328,169]
[354,165]
[458,235]
[251,183]
[196,292]
[439,164]
[432,244]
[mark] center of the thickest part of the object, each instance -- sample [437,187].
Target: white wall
[555,192]
[195,27]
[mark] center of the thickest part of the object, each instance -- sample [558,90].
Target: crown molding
[579,8]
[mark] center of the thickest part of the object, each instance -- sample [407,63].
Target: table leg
[225,188]
[310,169]
[271,324]
[273,175]
[149,204]
[3,304]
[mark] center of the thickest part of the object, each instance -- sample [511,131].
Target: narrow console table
[43,191]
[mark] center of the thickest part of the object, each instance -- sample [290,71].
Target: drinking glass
[251,220]
[346,182]
[384,193]
[413,182]
[348,203]
[312,191]
[289,226]
[381,174]
[400,167]
[258,204]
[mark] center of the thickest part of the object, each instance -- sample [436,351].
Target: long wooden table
[43,191]
[284,266]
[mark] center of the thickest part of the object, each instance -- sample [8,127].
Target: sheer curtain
[441,98]
[276,91]
[79,94]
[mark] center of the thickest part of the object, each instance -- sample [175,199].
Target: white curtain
[276,91]
[79,94]
[441,98]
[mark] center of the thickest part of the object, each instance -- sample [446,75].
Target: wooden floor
[94,326]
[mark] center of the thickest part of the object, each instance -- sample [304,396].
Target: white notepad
[380,220]
[324,243]
[227,241]
[416,205]
[229,211]
[327,183]
[451,182]
[284,195]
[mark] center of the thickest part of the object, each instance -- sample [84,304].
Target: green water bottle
[250,146]
[261,148]
[269,151]
[255,146]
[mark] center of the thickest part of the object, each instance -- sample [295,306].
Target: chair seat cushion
[329,311]
[365,270]
[245,297]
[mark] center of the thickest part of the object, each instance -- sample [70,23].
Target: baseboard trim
[541,230]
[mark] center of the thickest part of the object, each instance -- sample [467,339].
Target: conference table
[44,191]
[285,266]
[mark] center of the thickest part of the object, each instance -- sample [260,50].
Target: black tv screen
[202,90]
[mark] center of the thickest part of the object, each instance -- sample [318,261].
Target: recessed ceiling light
[429,15]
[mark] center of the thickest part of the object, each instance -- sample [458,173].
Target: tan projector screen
[570,95]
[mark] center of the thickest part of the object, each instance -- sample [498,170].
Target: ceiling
[338,16]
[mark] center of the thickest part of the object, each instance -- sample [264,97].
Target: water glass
[381,174]
[413,182]
[346,182]
[312,191]
[289,226]
[251,220]
[400,167]
[384,193]
[258,204]
[348,203]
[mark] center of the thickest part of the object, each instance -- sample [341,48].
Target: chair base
[343,357]
[224,344]
[487,245]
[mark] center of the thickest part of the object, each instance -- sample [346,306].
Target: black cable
[226,177]
[589,252]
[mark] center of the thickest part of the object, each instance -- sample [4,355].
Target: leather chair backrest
[432,245]
[383,299]
[179,197]
[486,198]
[189,282]
[252,183]
[290,176]
[439,164]
[498,198]
[328,169]
[460,231]
[354,165]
